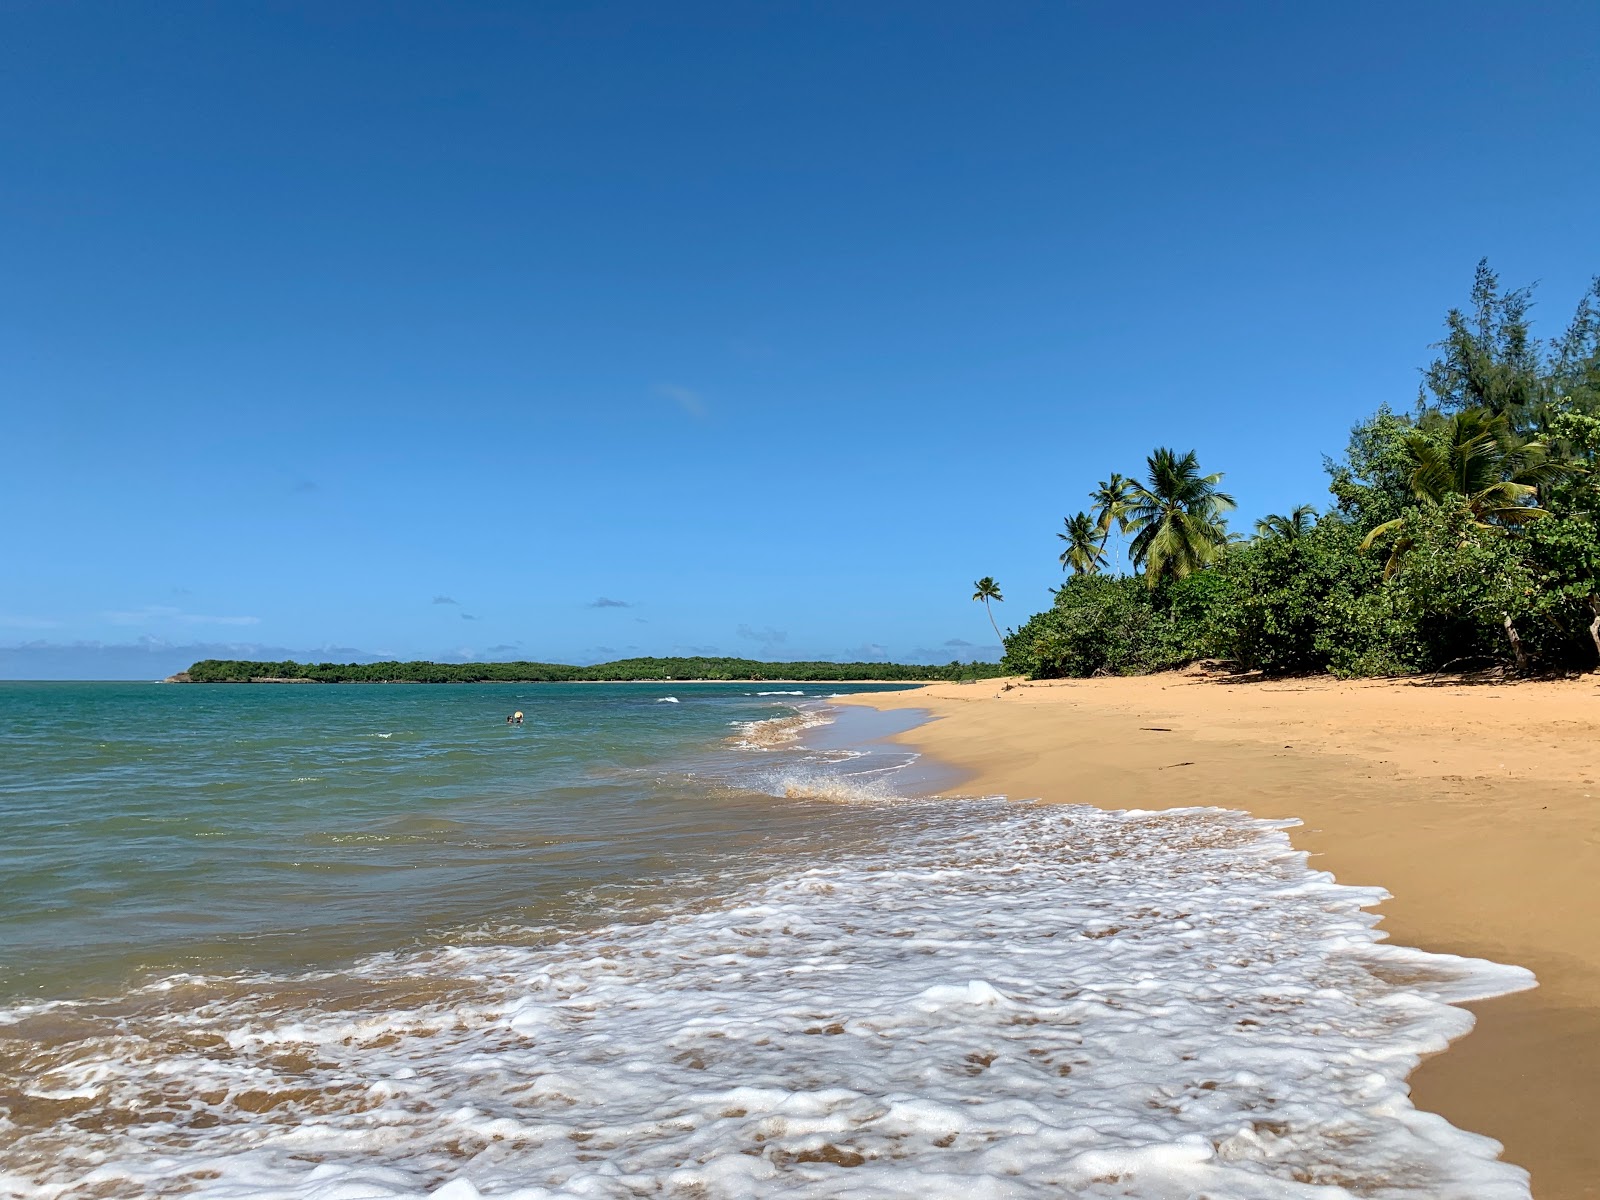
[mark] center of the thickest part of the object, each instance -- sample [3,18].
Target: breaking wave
[1003,1000]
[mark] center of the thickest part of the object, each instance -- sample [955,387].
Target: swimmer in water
[517,717]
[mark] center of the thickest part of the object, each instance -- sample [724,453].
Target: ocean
[700,941]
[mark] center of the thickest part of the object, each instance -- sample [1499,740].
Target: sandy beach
[1476,806]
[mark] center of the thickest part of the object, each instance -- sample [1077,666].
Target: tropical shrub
[1464,534]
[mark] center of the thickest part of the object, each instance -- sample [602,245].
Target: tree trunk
[1516,645]
[990,611]
[1594,626]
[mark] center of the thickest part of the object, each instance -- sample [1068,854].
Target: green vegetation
[214,670]
[1085,552]
[1465,534]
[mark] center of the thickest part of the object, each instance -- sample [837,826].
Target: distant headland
[643,670]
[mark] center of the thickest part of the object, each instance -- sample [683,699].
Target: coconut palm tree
[1178,517]
[1287,528]
[987,590]
[1476,455]
[1110,499]
[1084,552]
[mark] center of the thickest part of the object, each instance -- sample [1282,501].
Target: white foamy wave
[667,700]
[798,783]
[780,693]
[773,732]
[1006,1001]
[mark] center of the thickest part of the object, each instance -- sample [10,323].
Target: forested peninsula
[1462,534]
[648,670]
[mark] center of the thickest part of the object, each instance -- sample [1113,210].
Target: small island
[626,670]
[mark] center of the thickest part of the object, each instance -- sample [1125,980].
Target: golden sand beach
[1476,806]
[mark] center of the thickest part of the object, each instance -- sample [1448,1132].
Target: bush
[1115,625]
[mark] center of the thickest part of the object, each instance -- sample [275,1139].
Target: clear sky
[571,331]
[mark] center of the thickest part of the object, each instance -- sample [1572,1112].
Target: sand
[1477,807]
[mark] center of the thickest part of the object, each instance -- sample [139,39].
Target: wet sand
[1476,806]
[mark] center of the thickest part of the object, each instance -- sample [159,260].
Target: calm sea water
[350,943]
[154,827]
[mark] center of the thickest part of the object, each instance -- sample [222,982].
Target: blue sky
[571,331]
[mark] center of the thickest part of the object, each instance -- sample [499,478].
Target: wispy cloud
[608,602]
[766,636]
[165,614]
[10,622]
[958,648]
[468,617]
[445,600]
[149,657]
[870,650]
[504,648]
[685,398]
[301,486]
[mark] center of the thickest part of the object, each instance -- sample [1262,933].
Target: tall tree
[1084,551]
[1287,528]
[1489,359]
[987,590]
[1110,499]
[1178,517]
[1574,383]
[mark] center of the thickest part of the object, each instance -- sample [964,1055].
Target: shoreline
[1476,807]
[909,683]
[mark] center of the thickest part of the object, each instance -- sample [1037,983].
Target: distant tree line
[213,670]
[1462,534]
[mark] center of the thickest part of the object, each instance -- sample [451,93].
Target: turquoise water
[371,943]
[152,828]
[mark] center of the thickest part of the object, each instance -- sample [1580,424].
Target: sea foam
[774,732]
[1005,1001]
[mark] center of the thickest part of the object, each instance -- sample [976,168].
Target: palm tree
[1084,553]
[1281,528]
[1473,454]
[1111,499]
[1178,519]
[987,590]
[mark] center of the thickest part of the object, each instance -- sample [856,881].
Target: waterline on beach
[915,997]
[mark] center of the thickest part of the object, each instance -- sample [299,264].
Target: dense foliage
[1464,534]
[213,670]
